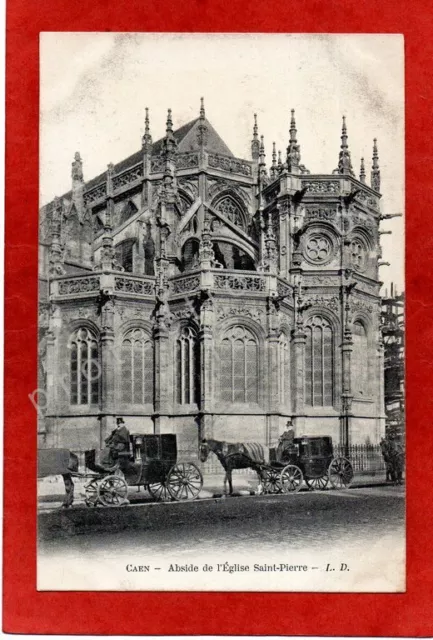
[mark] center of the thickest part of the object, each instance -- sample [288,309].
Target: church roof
[186,138]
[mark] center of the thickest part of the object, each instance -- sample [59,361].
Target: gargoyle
[297,197]
[350,197]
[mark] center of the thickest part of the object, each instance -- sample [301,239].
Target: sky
[95,87]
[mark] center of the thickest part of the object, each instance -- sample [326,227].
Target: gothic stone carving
[232,165]
[127,177]
[137,287]
[243,283]
[325,186]
[331,302]
[320,281]
[187,161]
[246,312]
[78,285]
[156,164]
[190,186]
[283,290]
[188,283]
[320,213]
[95,194]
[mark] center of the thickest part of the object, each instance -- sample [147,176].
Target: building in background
[393,339]
[201,294]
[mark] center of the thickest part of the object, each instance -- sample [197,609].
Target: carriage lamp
[138,441]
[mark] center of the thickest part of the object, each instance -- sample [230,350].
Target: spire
[362,171]
[78,185]
[77,168]
[202,129]
[255,145]
[344,161]
[262,160]
[273,169]
[375,171]
[147,138]
[293,150]
[169,127]
[280,164]
[107,250]
[56,255]
[169,144]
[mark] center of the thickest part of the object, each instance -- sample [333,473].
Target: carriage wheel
[317,483]
[340,473]
[91,493]
[291,478]
[159,491]
[113,491]
[184,481]
[271,481]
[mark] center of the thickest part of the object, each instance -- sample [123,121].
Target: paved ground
[317,518]
[360,529]
[51,490]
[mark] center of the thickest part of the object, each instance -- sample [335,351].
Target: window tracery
[319,363]
[231,210]
[359,359]
[137,367]
[187,367]
[239,366]
[84,368]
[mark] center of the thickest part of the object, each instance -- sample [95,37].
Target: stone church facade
[196,293]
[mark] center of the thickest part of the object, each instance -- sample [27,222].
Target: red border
[27,611]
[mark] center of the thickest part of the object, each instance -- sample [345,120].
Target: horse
[393,455]
[59,462]
[247,455]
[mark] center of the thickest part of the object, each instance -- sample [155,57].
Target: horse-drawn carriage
[151,463]
[284,469]
[310,459]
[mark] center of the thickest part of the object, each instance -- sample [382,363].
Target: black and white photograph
[220,398]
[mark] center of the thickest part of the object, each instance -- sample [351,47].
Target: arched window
[319,363]
[231,210]
[149,252]
[283,368]
[359,360]
[190,254]
[127,212]
[231,257]
[239,366]
[84,368]
[137,367]
[187,367]
[125,253]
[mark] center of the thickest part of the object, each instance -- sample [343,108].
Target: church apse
[228,295]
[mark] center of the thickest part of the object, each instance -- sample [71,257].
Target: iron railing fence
[363,457]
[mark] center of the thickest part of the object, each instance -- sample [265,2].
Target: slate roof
[184,141]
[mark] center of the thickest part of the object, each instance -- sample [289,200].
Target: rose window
[357,255]
[318,249]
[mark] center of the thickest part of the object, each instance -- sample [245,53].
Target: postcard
[221,396]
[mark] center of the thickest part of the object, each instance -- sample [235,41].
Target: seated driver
[118,441]
[286,444]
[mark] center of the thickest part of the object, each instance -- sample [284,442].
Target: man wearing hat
[118,441]
[286,446]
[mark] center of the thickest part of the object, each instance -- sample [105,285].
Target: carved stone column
[108,407]
[346,396]
[206,366]
[298,354]
[273,373]
[299,339]
[161,342]
[161,338]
